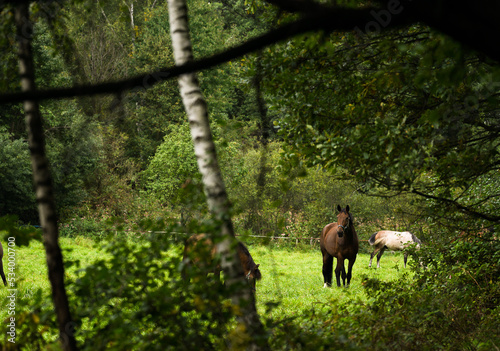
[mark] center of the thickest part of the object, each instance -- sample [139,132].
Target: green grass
[31,267]
[291,277]
[295,279]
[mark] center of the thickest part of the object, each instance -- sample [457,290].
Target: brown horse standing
[341,241]
[205,253]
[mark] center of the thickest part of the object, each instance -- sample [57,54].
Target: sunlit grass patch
[294,279]
[31,268]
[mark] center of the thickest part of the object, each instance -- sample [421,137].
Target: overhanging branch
[474,23]
[460,207]
[331,20]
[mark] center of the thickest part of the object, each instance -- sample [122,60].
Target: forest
[126,126]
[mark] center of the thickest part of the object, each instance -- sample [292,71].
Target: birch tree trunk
[213,184]
[42,178]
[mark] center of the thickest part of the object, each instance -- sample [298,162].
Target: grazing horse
[341,241]
[205,253]
[1,266]
[396,241]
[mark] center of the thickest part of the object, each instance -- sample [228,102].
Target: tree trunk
[43,179]
[213,184]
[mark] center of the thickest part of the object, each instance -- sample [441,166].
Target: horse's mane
[348,213]
[244,249]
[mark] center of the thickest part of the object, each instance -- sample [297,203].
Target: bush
[136,298]
[83,226]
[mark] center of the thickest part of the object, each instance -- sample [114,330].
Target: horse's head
[343,220]
[251,269]
[253,275]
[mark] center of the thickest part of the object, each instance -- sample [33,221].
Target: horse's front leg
[327,269]
[349,270]
[340,270]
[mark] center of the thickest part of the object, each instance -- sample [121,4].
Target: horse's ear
[347,208]
[257,266]
[339,208]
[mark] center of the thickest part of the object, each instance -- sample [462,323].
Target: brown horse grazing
[1,266]
[341,241]
[395,241]
[205,252]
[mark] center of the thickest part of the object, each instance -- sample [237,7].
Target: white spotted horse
[395,241]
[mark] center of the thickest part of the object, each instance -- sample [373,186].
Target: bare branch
[466,209]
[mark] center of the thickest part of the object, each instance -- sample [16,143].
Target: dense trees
[410,110]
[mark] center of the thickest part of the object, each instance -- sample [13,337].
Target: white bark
[213,184]
[131,15]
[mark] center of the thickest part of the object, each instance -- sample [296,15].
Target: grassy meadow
[31,267]
[292,277]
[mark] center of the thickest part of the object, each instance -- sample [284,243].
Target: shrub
[83,226]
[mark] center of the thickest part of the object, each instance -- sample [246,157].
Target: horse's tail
[372,239]
[416,240]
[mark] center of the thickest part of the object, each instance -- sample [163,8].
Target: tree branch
[458,206]
[474,24]
[332,20]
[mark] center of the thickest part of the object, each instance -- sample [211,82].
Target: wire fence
[312,240]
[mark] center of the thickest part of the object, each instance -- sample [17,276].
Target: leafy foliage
[301,204]
[173,164]
[451,304]
[135,297]
[16,190]
[9,227]
[402,111]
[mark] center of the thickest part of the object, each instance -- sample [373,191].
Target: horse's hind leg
[406,257]
[380,255]
[371,257]
[327,269]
